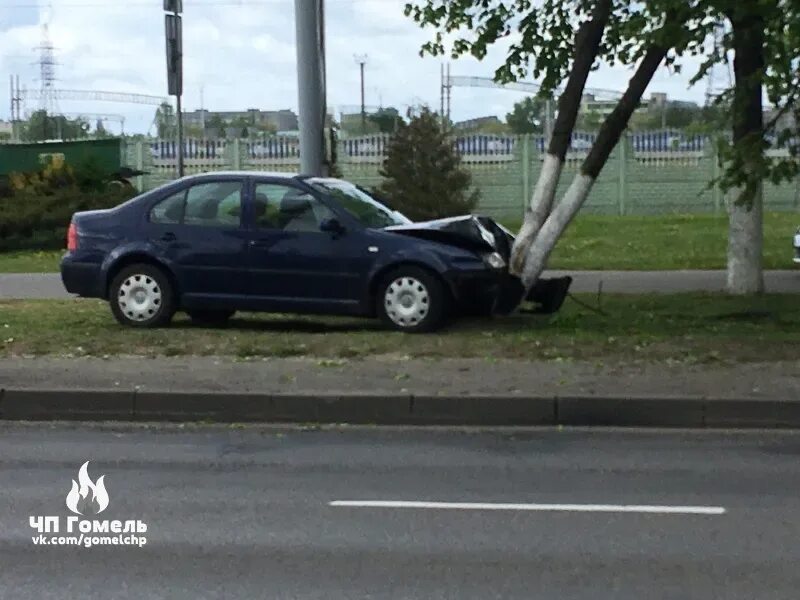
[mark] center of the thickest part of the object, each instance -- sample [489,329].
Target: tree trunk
[745,232]
[607,139]
[745,240]
[587,46]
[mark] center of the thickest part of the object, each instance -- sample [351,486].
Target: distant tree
[671,115]
[528,116]
[166,123]
[589,120]
[42,126]
[677,115]
[386,119]
[193,131]
[215,126]
[711,119]
[494,128]
[100,130]
[241,125]
[423,177]
[264,128]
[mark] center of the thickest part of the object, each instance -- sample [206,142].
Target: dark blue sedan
[216,243]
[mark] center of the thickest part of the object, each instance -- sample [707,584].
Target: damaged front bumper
[548,294]
[494,289]
[501,293]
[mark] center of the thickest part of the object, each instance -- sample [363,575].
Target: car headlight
[494,260]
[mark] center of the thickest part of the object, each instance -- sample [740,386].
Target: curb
[392,409]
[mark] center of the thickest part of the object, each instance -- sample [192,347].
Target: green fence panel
[632,182]
[105,153]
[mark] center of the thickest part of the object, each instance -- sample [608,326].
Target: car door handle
[168,237]
[260,243]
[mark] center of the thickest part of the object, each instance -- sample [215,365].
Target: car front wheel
[142,296]
[411,299]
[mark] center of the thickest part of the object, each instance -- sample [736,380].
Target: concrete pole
[441,94]
[179,115]
[310,84]
[449,88]
[363,106]
[548,121]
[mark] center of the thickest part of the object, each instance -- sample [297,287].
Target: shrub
[40,221]
[36,207]
[423,174]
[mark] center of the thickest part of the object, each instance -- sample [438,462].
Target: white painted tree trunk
[745,242]
[541,202]
[553,227]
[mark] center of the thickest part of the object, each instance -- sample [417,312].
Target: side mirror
[331,225]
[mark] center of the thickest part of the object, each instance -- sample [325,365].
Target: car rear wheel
[142,296]
[411,299]
[210,317]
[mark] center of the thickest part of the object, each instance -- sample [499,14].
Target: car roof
[271,174]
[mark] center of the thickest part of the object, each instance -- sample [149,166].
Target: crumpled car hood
[482,234]
[471,232]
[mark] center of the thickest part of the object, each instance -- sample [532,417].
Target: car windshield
[359,204]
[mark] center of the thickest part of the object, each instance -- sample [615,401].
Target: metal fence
[650,173]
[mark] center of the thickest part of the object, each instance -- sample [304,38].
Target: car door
[293,263]
[198,230]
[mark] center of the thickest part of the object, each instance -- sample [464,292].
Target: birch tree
[556,41]
[764,38]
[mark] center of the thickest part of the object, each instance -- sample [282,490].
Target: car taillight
[72,237]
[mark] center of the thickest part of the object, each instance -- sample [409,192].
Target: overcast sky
[241,53]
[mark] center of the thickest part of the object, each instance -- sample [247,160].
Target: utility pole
[174,36]
[202,111]
[441,94]
[310,28]
[448,87]
[361,59]
[548,120]
[16,103]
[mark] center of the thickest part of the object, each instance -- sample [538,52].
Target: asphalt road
[48,285]
[248,513]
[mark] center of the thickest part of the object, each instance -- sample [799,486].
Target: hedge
[40,221]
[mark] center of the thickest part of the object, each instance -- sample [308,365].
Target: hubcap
[406,301]
[139,297]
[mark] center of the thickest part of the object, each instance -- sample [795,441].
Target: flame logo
[77,497]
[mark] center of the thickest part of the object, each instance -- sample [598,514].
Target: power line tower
[720,78]
[47,73]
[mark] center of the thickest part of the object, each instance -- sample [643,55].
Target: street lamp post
[174,37]
[310,28]
[361,59]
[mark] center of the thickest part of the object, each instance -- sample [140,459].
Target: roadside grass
[664,242]
[597,242]
[30,261]
[683,328]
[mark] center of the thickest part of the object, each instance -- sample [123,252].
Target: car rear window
[210,204]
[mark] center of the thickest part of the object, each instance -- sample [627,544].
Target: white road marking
[602,508]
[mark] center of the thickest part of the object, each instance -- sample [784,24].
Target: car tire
[210,317]
[412,300]
[141,295]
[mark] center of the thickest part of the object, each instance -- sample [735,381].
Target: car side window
[213,204]
[288,208]
[169,210]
